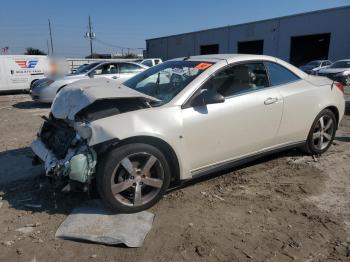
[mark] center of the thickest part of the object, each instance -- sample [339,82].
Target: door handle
[270,100]
[114,77]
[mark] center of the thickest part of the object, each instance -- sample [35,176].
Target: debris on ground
[8,243]
[92,222]
[25,230]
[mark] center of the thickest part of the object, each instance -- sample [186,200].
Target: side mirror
[208,97]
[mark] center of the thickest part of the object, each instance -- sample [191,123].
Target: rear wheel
[133,177]
[322,133]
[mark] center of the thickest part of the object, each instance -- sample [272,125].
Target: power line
[117,46]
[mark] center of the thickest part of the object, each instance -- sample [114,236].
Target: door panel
[241,125]
[299,111]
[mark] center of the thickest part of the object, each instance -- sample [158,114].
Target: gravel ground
[281,208]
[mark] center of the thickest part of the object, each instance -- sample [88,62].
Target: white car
[150,61]
[339,71]
[46,89]
[182,119]
[314,66]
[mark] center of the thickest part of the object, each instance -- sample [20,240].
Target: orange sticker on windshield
[203,66]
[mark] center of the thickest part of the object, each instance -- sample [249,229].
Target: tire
[123,171]
[314,145]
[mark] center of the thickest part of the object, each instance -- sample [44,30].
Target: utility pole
[90,35]
[50,37]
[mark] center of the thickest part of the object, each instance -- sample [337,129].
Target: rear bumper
[343,79]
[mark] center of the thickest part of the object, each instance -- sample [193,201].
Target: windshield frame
[165,67]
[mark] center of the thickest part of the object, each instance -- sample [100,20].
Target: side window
[239,79]
[106,69]
[147,63]
[129,68]
[280,75]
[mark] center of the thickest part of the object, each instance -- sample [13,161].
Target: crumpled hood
[80,94]
[332,70]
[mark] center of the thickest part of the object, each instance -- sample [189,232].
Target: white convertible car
[181,119]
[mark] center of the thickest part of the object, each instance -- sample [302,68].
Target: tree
[34,51]
[99,56]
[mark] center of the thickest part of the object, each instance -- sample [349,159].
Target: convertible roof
[218,57]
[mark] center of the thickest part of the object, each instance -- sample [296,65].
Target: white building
[300,38]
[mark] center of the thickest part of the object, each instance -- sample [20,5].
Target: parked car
[19,72]
[314,66]
[206,113]
[73,70]
[339,71]
[150,61]
[45,91]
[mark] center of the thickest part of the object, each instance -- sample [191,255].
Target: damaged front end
[63,141]
[63,147]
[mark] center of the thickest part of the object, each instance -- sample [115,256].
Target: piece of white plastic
[92,222]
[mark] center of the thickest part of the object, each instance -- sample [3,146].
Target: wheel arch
[335,111]
[59,89]
[32,83]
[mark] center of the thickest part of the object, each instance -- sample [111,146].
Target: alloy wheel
[137,179]
[323,132]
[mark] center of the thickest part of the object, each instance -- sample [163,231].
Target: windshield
[314,63]
[85,69]
[166,80]
[341,64]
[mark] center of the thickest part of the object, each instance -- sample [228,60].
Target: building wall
[276,34]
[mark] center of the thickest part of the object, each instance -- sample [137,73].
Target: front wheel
[133,177]
[322,133]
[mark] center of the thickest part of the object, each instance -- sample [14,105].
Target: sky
[127,24]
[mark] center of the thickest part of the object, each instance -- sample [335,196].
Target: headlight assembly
[43,83]
[83,130]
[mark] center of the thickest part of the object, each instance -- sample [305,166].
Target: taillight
[340,86]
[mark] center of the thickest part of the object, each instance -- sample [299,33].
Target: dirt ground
[281,208]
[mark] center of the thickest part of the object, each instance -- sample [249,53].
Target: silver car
[46,89]
[182,119]
[339,71]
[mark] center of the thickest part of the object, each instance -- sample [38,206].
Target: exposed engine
[64,152]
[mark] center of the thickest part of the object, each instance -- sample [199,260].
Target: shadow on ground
[31,105]
[33,191]
[342,138]
[26,187]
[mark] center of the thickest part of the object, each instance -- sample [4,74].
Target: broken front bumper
[78,164]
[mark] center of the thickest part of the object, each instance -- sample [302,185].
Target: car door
[245,123]
[297,95]
[107,70]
